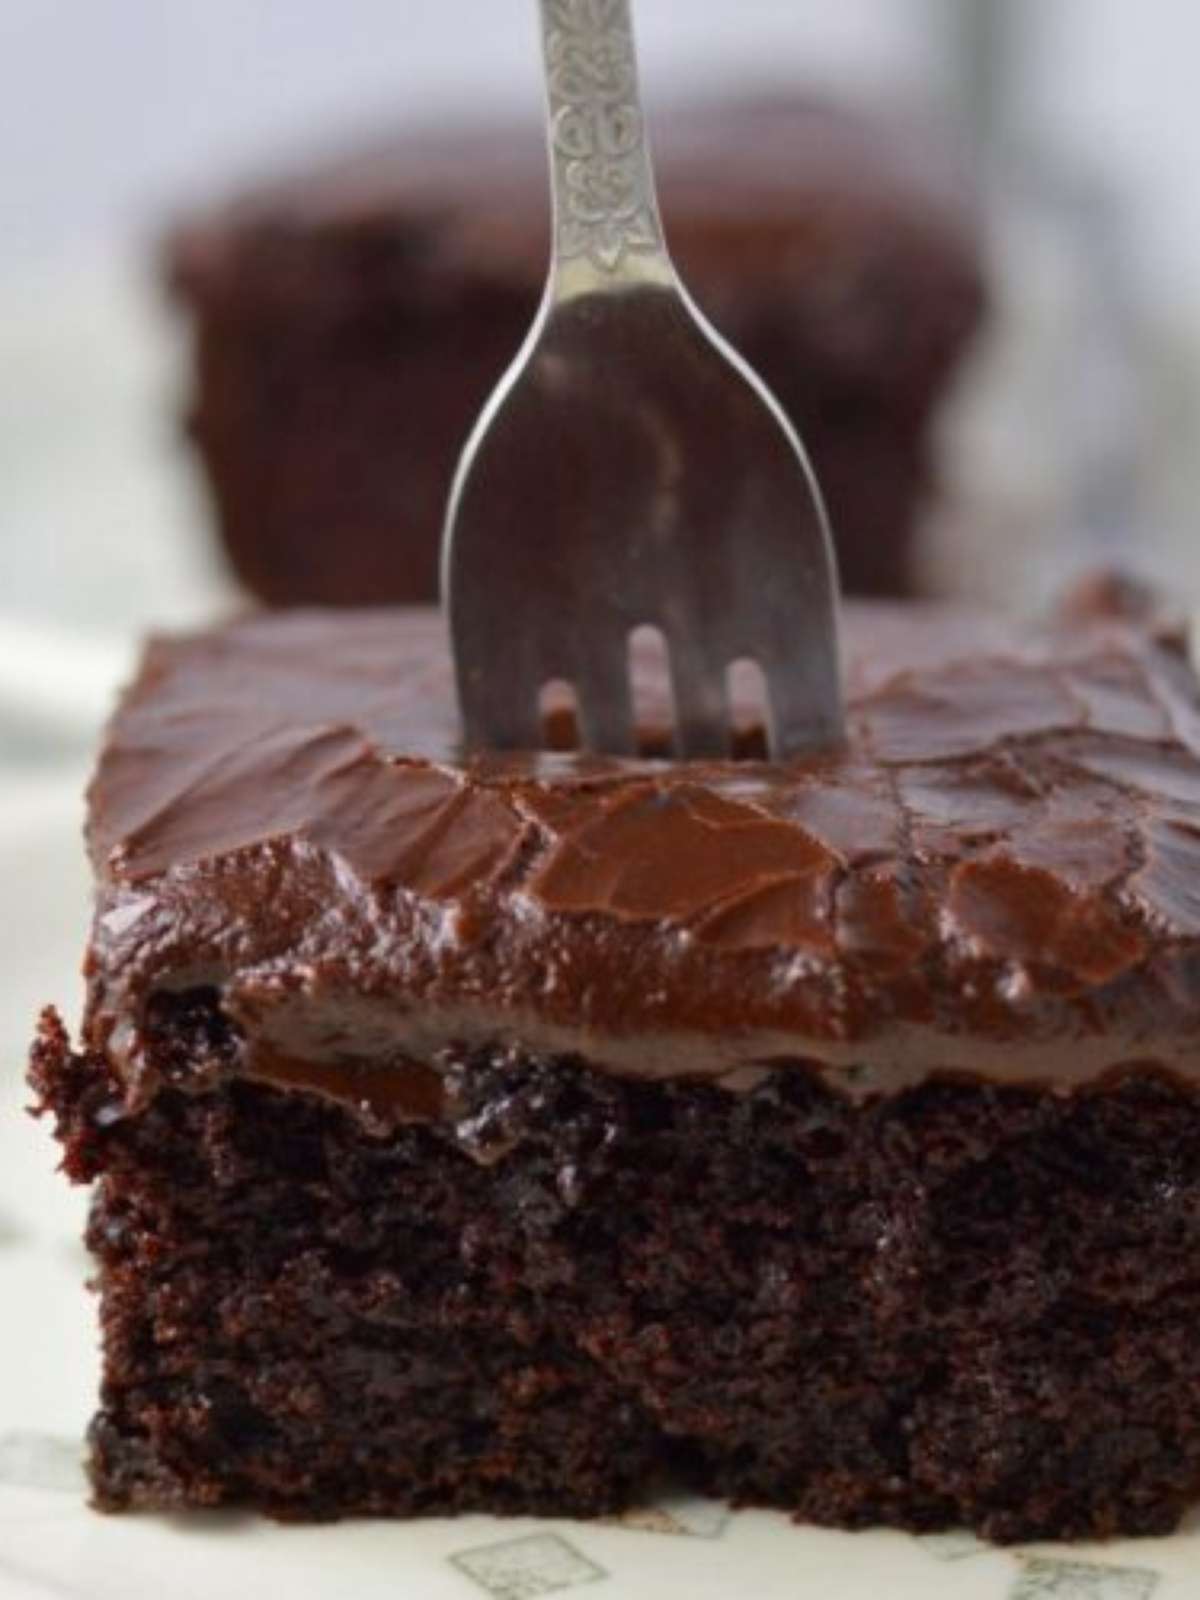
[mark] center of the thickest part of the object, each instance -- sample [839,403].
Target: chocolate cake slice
[348,324]
[514,1134]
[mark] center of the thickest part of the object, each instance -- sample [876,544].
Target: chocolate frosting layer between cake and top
[999,874]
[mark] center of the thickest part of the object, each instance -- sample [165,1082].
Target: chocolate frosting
[998,875]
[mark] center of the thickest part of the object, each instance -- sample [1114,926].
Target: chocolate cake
[349,324]
[519,1133]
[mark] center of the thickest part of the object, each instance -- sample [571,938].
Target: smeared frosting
[1000,873]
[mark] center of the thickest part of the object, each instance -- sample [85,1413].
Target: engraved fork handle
[607,229]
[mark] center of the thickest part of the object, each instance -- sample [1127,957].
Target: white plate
[51,1544]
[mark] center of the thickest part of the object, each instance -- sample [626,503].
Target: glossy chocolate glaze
[999,875]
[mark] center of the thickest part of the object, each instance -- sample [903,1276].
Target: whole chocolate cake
[349,324]
[515,1133]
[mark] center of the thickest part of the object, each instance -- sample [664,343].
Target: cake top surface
[1001,869]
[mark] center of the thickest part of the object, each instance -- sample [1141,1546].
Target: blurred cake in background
[350,320]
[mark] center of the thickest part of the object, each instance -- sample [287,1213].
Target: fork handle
[607,229]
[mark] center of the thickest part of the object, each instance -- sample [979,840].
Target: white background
[109,109]
[116,105]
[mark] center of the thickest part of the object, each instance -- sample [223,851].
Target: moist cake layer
[996,877]
[961,1305]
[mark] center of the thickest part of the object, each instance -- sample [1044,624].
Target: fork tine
[701,697]
[804,697]
[605,702]
[500,712]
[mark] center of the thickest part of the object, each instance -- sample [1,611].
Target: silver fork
[631,470]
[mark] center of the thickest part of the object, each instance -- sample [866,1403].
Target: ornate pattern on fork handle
[605,206]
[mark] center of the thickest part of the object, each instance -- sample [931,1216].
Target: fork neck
[607,230]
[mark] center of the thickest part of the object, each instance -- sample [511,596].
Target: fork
[631,470]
